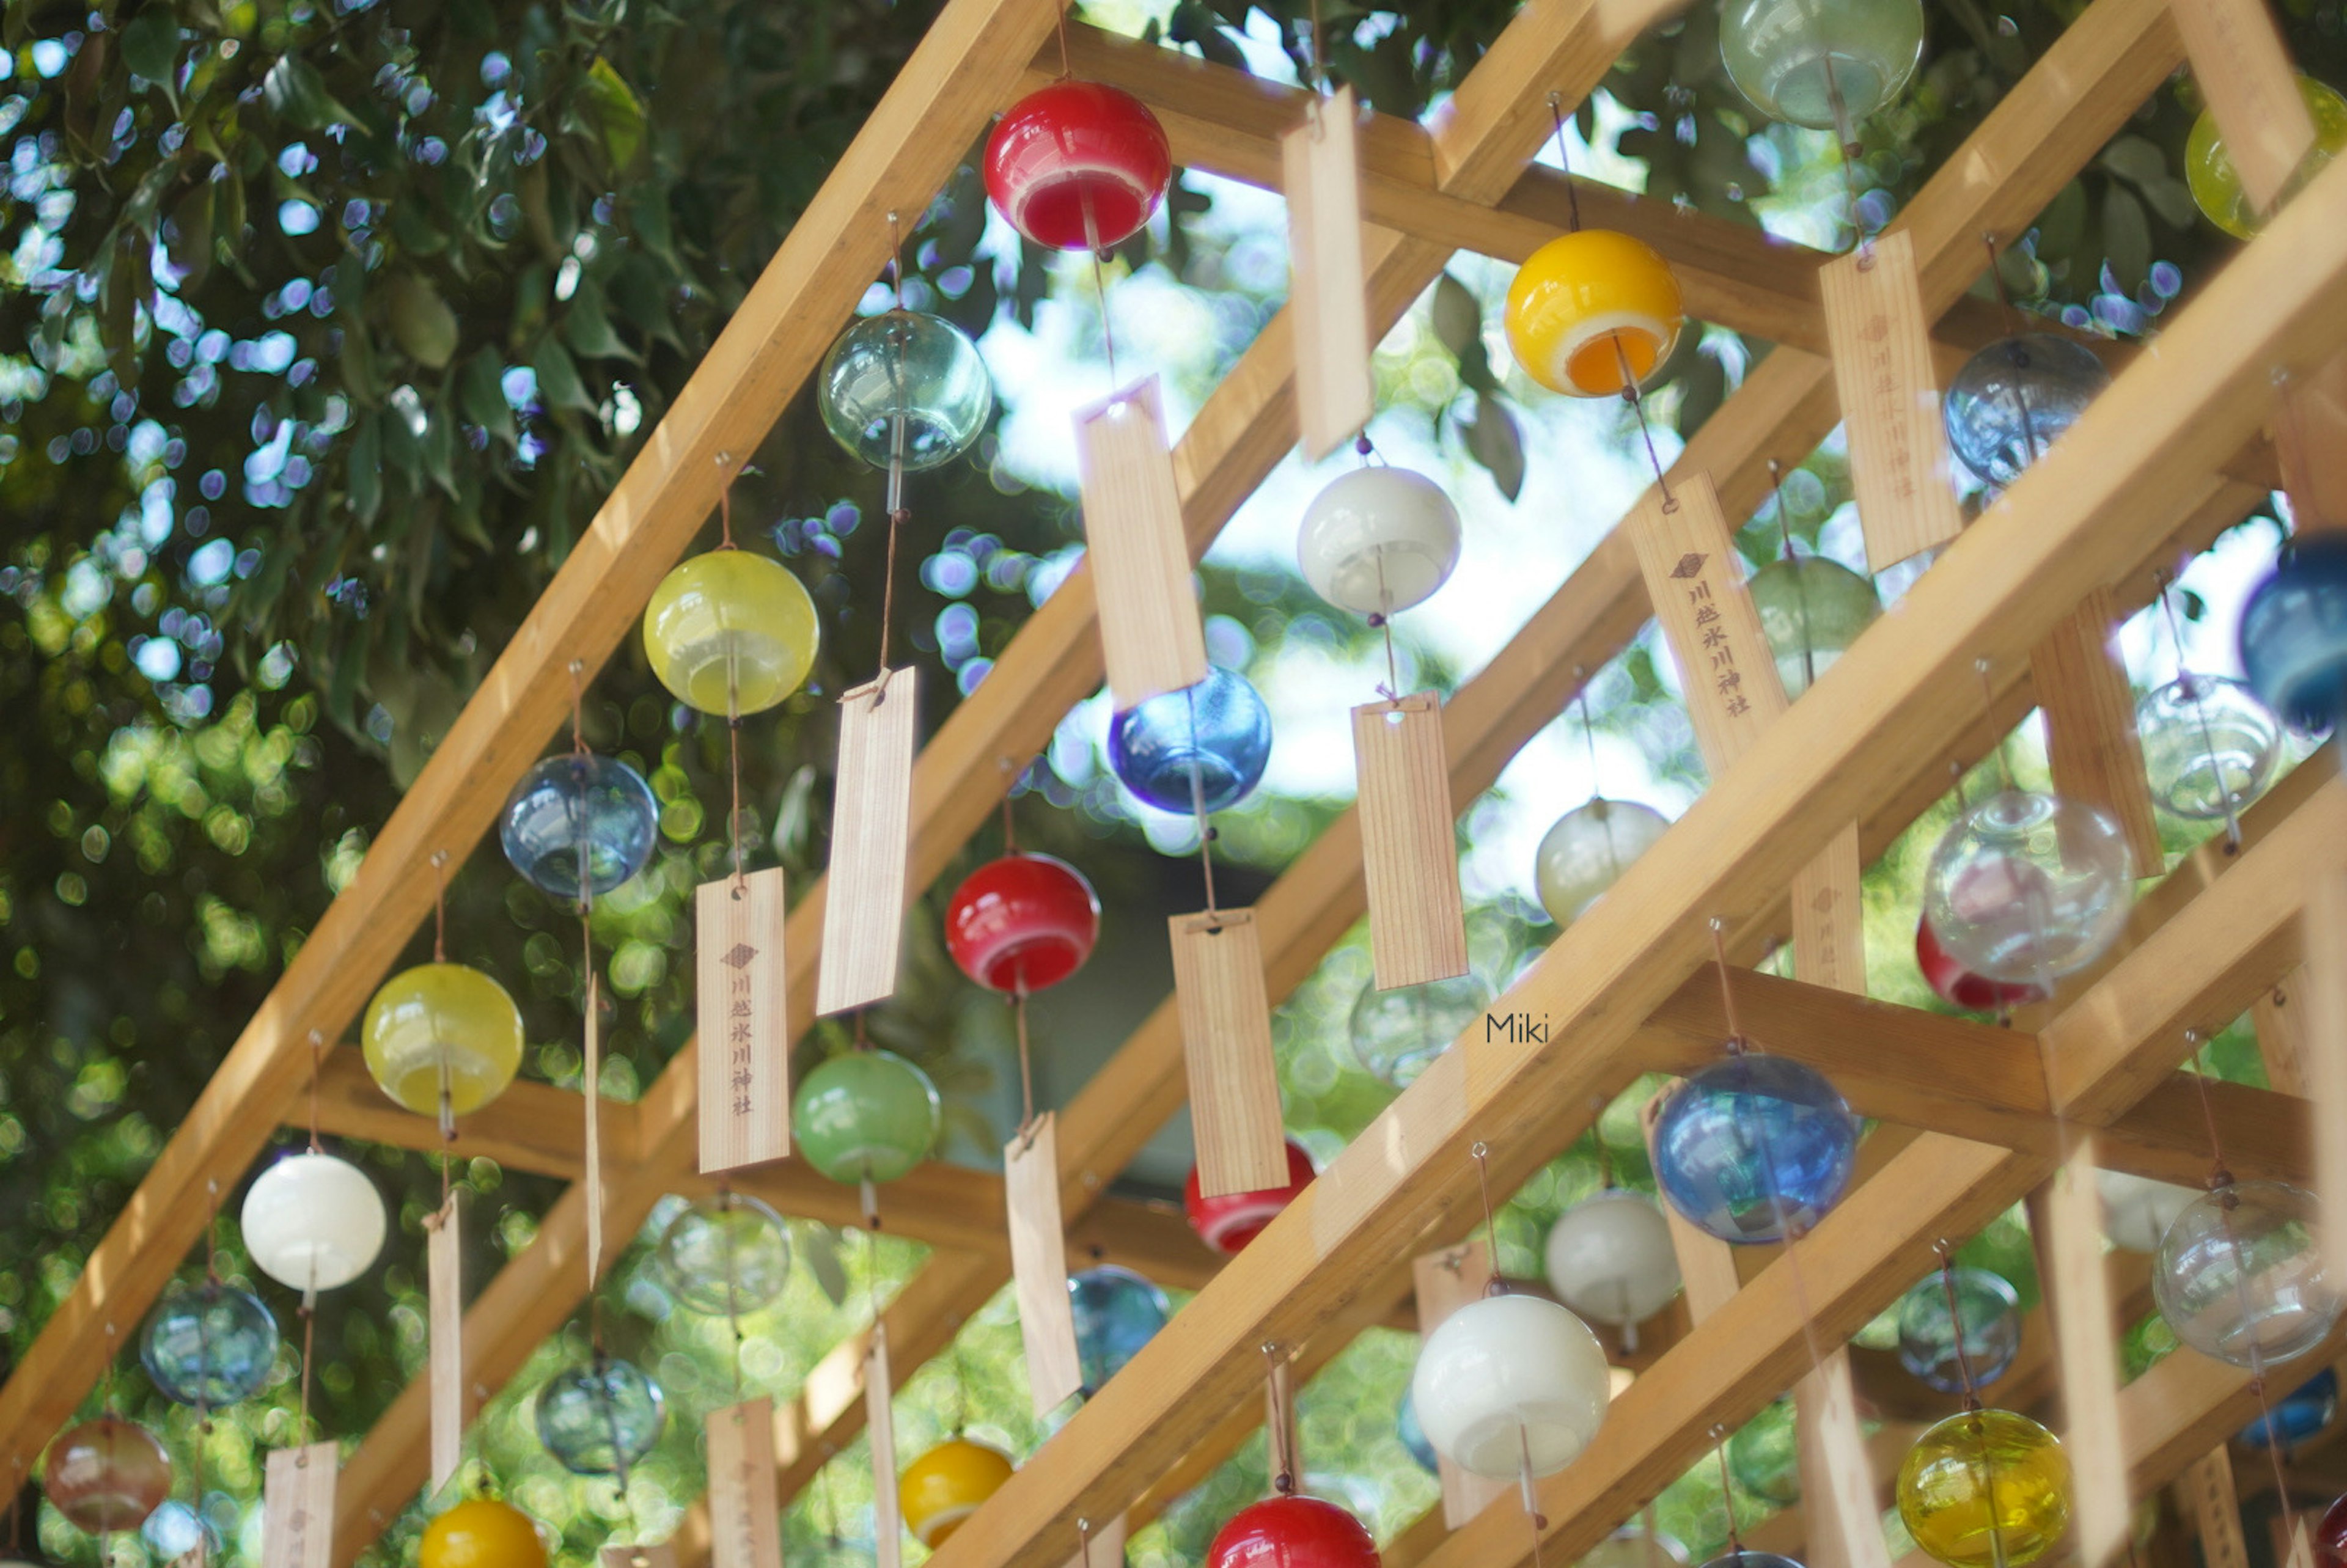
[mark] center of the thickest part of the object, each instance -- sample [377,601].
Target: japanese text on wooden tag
[2207,1486]
[444,1325]
[1828,917]
[2243,69]
[871,835]
[1889,402]
[745,1093]
[1410,850]
[1038,1263]
[1327,288]
[297,1506]
[745,1506]
[1150,635]
[1696,582]
[1227,1042]
[1446,1281]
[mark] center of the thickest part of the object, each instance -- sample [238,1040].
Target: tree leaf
[614,113]
[1457,319]
[150,43]
[365,468]
[421,322]
[587,325]
[295,93]
[1494,441]
[558,386]
[2135,159]
[188,241]
[2126,238]
[819,1245]
[483,397]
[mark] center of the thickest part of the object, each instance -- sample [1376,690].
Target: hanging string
[1988,715]
[898,514]
[590,1056]
[2016,357]
[1564,161]
[1851,150]
[1382,622]
[1100,279]
[1061,18]
[2194,692]
[1956,1324]
[733,1288]
[1480,1153]
[1011,779]
[317,1051]
[1630,393]
[1727,1490]
[1085,1544]
[1784,521]
[1280,1431]
[1027,1123]
[1198,805]
[1738,1042]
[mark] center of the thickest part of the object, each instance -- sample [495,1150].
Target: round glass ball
[442,1025]
[2137,1211]
[2296,1416]
[2209,746]
[1633,1546]
[1379,540]
[1411,1435]
[1022,923]
[731,632]
[1201,748]
[724,1255]
[210,1344]
[1508,1380]
[908,368]
[600,1417]
[313,1222]
[1792,58]
[482,1532]
[1991,1312]
[1292,1531]
[1959,987]
[1609,1258]
[2238,1276]
[1985,1489]
[1811,609]
[1765,1454]
[1117,1312]
[580,824]
[2216,184]
[1398,1033]
[1078,166]
[1744,1557]
[947,1484]
[1228,1222]
[2026,887]
[865,1116]
[2293,634]
[1589,304]
[106,1475]
[1586,850]
[2330,1535]
[2014,398]
[1755,1147]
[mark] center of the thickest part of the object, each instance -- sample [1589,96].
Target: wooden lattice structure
[2169,456]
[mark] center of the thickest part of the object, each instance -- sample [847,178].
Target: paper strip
[445,1321]
[1327,291]
[1445,1282]
[1696,581]
[1889,402]
[1150,635]
[1234,1112]
[1039,1264]
[297,1527]
[744,1504]
[1409,848]
[744,1044]
[871,835]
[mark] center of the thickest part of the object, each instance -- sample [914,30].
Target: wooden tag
[1447,1281]
[1234,1112]
[2207,1490]
[1837,1478]
[1150,636]
[1039,1264]
[2325,994]
[2078,1289]
[1327,290]
[1890,402]
[644,1555]
[297,1506]
[880,1425]
[1707,1263]
[1409,848]
[745,1090]
[1829,919]
[744,1504]
[2243,69]
[871,834]
[1695,579]
[2280,1018]
[1104,1548]
[2091,743]
[2310,439]
[444,1323]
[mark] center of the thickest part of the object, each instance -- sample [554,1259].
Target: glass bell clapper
[905,389]
[1755,1148]
[1199,750]
[2293,633]
[726,1254]
[1379,540]
[600,1417]
[1117,1312]
[731,632]
[579,826]
[2216,184]
[1985,1489]
[1823,64]
[2238,1276]
[2014,399]
[1078,166]
[1928,1315]
[209,1344]
[1397,1034]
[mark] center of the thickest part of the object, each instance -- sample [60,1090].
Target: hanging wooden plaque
[2243,69]
[2091,743]
[746,1092]
[2310,439]
[1409,848]
[444,1327]
[1039,1264]
[1445,1282]
[2079,1291]
[2216,1509]
[1882,345]
[297,1507]
[1105,1549]
[1695,579]
[2324,926]
[1327,291]
[880,1426]
[1829,918]
[644,1555]
[1234,1111]
[1150,636]
[744,1504]
[1707,1263]
[1837,1477]
[871,835]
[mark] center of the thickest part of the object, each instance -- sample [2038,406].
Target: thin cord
[1100,289]
[1481,1154]
[1956,1324]
[439,905]
[1564,160]
[1065,70]
[1026,1066]
[1319,65]
[1198,805]
[1727,1490]
[579,707]
[1847,138]
[1631,395]
[1283,1423]
[2193,691]
[1988,712]
[1737,1043]
[317,1051]
[1777,488]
